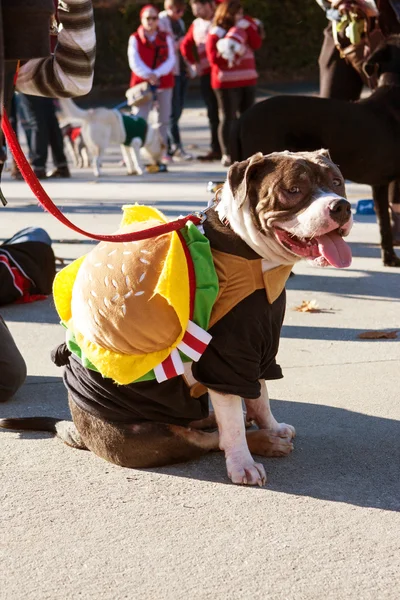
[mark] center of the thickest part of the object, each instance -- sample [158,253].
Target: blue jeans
[178,101]
[45,130]
[30,234]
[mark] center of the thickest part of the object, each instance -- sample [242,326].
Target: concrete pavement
[327,523]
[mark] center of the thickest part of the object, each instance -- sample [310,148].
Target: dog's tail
[65,430]
[235,145]
[72,111]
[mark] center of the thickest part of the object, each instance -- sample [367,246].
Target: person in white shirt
[151,56]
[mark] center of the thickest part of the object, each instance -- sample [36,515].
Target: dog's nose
[340,211]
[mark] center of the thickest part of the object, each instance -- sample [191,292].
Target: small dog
[273,211]
[75,145]
[103,126]
[363,137]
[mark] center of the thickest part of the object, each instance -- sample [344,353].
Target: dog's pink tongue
[334,249]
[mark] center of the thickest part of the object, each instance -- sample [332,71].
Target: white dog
[103,126]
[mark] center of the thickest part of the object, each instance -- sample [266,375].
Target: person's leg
[181,153]
[247,98]
[394,203]
[228,106]
[174,138]
[35,109]
[56,142]
[12,365]
[164,98]
[210,100]
[143,111]
[338,79]
[15,174]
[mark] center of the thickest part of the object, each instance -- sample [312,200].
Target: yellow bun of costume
[127,303]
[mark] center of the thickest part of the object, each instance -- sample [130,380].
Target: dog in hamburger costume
[156,328]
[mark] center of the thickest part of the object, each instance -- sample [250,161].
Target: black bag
[357,54]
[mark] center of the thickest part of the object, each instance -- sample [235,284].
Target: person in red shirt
[230,47]
[193,49]
[151,55]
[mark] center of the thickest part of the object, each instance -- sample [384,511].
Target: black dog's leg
[394,203]
[381,201]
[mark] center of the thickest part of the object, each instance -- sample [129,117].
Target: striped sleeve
[69,71]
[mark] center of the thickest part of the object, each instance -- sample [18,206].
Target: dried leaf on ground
[308,306]
[378,335]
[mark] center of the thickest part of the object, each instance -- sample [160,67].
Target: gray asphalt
[326,525]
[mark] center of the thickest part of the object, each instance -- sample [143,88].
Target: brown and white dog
[273,211]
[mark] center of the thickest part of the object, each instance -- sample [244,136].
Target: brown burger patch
[113,303]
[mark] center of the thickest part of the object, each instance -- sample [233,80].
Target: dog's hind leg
[381,202]
[65,430]
[126,155]
[96,164]
[142,445]
[135,155]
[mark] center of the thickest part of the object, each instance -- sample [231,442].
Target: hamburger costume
[136,312]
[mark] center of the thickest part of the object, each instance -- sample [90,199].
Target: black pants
[210,100]
[231,102]
[337,78]
[178,101]
[45,130]
[12,365]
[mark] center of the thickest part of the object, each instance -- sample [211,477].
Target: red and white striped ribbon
[193,344]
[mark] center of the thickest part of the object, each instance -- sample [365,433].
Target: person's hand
[153,79]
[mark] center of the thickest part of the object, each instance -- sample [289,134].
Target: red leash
[49,205]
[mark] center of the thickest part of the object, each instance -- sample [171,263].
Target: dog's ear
[381,55]
[324,152]
[239,176]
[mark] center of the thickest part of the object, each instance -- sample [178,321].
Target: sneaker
[59,173]
[166,158]
[181,154]
[226,161]
[210,156]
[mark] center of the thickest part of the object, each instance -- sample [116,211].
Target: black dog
[363,137]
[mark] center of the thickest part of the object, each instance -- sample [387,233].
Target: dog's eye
[294,190]
[336,181]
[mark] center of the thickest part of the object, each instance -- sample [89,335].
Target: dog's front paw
[243,470]
[263,442]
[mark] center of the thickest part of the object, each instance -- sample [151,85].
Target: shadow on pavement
[35,312]
[346,334]
[339,456]
[372,284]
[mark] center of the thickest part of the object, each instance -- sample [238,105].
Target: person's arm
[213,55]
[135,62]
[168,65]
[188,45]
[254,38]
[69,71]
